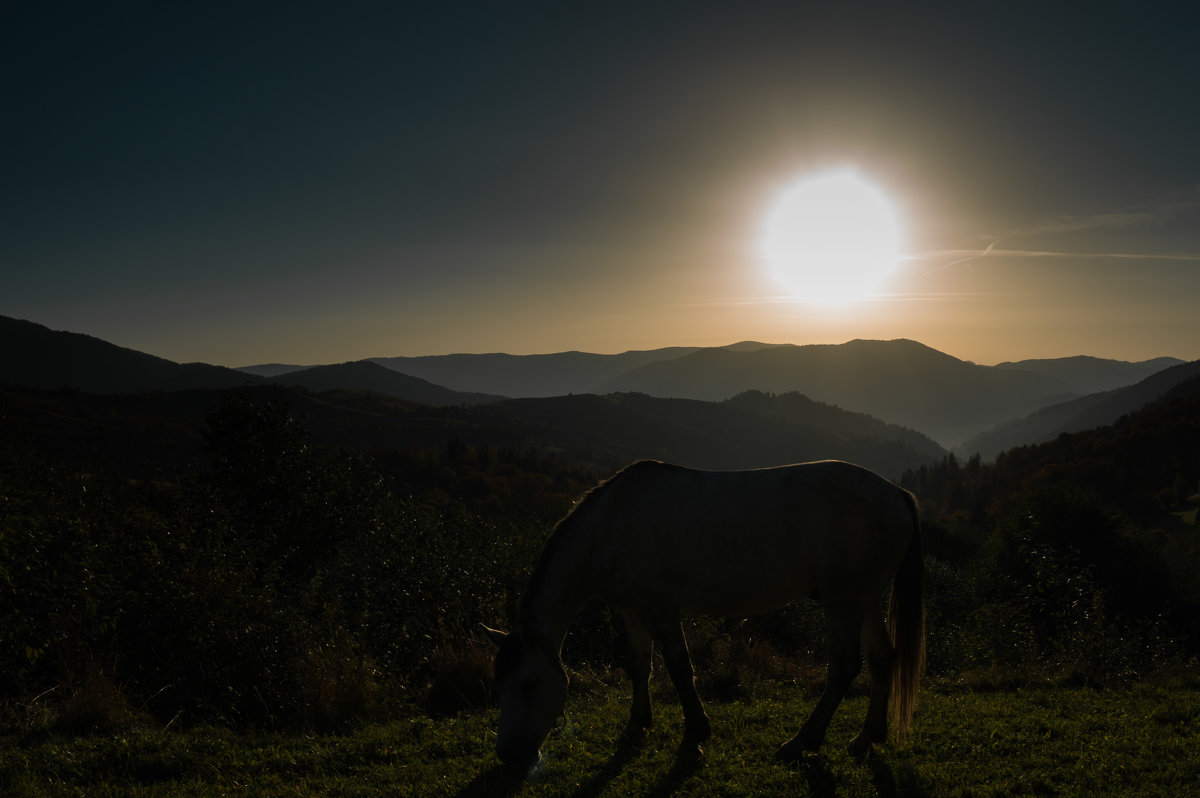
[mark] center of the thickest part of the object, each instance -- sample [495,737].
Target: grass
[1143,740]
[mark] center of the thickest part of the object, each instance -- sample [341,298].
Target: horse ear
[495,635]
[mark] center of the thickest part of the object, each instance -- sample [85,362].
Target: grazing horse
[658,542]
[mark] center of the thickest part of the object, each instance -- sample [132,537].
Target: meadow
[1032,740]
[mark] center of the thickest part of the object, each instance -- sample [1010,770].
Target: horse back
[732,542]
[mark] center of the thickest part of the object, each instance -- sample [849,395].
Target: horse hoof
[859,748]
[795,749]
[689,753]
[788,753]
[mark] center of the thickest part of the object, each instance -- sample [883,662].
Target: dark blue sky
[316,182]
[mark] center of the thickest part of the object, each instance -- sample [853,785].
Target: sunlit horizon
[482,180]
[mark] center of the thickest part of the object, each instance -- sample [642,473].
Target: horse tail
[906,629]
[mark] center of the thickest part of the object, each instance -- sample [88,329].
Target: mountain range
[881,387]
[1086,375]
[363,375]
[1086,412]
[901,381]
[34,356]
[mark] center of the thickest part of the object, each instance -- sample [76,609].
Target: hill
[1146,462]
[555,374]
[35,356]
[1086,412]
[747,432]
[901,381]
[799,409]
[1088,375]
[365,406]
[363,375]
[144,434]
[271,369]
[279,560]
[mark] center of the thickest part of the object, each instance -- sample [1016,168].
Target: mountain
[363,375]
[614,429]
[555,374]
[1147,462]
[799,409]
[35,356]
[270,370]
[1086,412]
[149,434]
[900,381]
[1088,375]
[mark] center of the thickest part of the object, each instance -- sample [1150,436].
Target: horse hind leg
[641,650]
[667,630]
[843,630]
[879,653]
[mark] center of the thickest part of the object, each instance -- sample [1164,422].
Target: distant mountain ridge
[1086,412]
[363,375]
[1087,375]
[365,405]
[35,356]
[146,434]
[901,383]
[270,370]
[555,374]
[747,432]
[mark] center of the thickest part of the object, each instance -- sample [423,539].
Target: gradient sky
[241,183]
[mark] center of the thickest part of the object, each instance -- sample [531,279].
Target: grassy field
[1142,740]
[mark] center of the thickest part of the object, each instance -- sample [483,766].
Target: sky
[301,182]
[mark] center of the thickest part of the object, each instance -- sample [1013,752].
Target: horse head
[531,686]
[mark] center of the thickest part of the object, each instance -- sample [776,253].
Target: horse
[658,542]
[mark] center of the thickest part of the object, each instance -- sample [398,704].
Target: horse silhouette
[658,542]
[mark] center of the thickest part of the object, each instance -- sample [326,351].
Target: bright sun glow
[830,239]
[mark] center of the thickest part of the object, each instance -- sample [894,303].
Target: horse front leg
[667,629]
[842,641]
[641,650]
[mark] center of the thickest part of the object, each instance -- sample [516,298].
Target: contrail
[970,257]
[1042,253]
[1038,253]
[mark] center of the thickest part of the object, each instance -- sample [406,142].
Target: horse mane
[563,528]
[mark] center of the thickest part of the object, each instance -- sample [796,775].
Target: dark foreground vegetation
[273,586]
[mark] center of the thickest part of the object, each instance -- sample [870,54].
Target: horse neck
[561,585]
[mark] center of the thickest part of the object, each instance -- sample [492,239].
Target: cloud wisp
[967,255]
[1067,224]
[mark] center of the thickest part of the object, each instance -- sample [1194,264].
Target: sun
[830,239]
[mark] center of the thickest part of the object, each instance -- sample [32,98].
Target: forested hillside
[1083,552]
[268,576]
